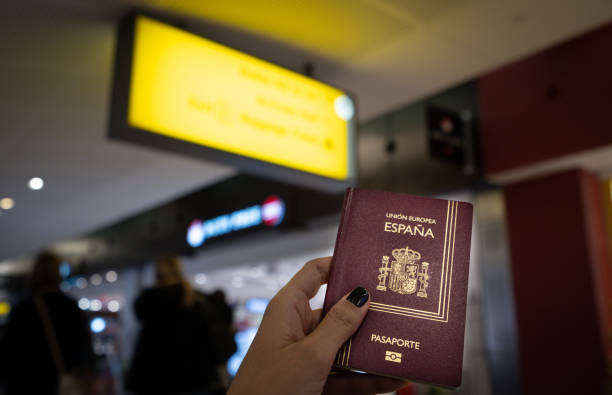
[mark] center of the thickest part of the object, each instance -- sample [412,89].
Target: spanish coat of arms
[404,274]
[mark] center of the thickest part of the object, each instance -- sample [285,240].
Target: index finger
[310,277]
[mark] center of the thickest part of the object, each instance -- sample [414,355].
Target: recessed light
[81,283]
[7,203]
[96,279]
[95,305]
[97,325]
[84,303]
[36,183]
[113,306]
[111,276]
[201,278]
[237,282]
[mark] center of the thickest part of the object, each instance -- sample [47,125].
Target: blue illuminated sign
[243,342]
[257,305]
[271,213]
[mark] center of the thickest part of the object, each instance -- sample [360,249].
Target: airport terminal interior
[215,144]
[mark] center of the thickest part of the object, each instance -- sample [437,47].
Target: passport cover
[412,255]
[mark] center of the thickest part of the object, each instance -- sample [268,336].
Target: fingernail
[359,296]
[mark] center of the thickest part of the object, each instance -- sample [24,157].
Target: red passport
[412,254]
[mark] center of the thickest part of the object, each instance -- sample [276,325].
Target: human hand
[294,349]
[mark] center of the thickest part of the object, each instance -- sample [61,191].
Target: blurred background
[117,147]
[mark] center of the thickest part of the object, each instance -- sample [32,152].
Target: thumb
[340,322]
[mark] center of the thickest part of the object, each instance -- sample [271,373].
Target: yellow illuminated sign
[189,88]
[5,308]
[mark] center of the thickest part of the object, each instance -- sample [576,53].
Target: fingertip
[359,296]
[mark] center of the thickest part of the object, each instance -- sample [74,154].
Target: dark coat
[174,349]
[26,361]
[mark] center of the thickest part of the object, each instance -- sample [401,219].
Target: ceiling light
[96,279]
[81,283]
[97,325]
[257,272]
[95,305]
[237,282]
[111,276]
[7,203]
[113,306]
[84,303]
[36,183]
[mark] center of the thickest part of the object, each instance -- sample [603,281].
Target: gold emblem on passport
[393,356]
[403,274]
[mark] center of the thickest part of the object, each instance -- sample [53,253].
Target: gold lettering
[416,230]
[388,226]
[412,344]
[419,230]
[411,218]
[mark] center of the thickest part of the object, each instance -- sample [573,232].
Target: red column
[558,249]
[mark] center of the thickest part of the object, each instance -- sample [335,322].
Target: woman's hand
[294,350]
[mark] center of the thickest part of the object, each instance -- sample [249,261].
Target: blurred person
[294,348]
[223,310]
[223,330]
[47,345]
[178,347]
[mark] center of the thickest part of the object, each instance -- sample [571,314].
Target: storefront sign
[270,213]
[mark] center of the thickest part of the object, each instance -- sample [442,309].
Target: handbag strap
[50,334]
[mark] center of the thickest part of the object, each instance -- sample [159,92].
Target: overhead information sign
[191,89]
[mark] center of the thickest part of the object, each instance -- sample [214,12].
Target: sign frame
[119,128]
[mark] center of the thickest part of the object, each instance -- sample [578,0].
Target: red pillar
[558,249]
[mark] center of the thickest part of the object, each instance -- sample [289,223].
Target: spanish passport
[412,254]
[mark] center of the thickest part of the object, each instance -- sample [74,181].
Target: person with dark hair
[224,311]
[223,333]
[176,351]
[47,346]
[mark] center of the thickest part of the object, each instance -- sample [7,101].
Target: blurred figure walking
[224,332]
[176,351]
[47,345]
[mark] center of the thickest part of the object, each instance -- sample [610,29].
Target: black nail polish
[358,297]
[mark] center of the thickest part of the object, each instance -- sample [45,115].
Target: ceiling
[56,68]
